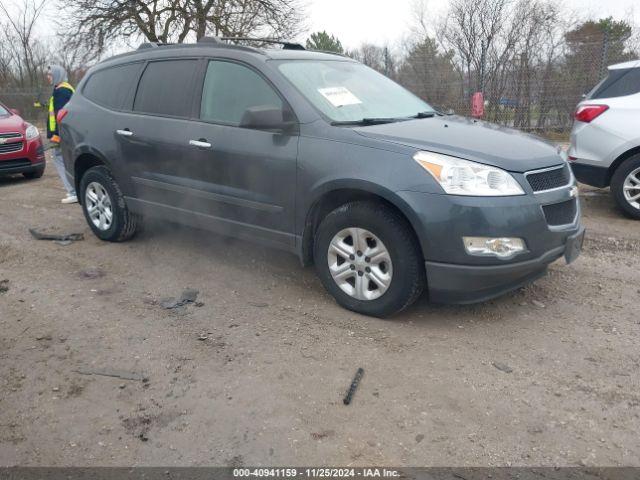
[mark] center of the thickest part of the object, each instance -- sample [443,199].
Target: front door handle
[125,133]
[202,143]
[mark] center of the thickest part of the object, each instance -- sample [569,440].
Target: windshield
[3,111]
[350,92]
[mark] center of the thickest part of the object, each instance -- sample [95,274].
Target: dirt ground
[255,375]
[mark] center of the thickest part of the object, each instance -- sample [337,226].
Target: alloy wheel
[98,205]
[631,188]
[360,263]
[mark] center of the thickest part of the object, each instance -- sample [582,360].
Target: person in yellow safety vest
[62,91]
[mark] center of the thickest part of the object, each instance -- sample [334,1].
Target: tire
[623,176]
[378,228]
[122,224]
[35,174]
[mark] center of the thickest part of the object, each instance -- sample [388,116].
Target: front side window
[112,86]
[165,88]
[230,89]
[347,91]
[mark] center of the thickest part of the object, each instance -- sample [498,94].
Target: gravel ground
[256,372]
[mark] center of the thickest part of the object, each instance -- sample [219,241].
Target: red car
[21,149]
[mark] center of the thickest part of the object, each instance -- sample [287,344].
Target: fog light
[494,247]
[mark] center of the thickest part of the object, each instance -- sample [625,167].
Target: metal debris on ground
[108,372]
[354,385]
[502,367]
[188,296]
[63,239]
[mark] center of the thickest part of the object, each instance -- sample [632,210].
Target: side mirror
[15,111]
[267,117]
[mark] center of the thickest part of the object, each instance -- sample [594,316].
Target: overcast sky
[387,21]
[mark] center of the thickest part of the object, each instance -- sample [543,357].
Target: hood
[471,140]
[58,73]
[12,123]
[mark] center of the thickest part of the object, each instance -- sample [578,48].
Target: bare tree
[379,58]
[20,42]
[98,22]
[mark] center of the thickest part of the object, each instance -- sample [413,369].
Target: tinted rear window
[618,84]
[112,87]
[165,88]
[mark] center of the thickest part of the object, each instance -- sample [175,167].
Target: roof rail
[285,45]
[146,45]
[209,40]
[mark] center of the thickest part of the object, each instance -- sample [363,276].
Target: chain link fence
[523,94]
[24,100]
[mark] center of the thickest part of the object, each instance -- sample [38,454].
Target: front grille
[549,179]
[11,135]
[10,147]
[562,213]
[9,164]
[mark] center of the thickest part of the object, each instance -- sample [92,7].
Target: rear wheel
[105,208]
[35,174]
[625,186]
[367,257]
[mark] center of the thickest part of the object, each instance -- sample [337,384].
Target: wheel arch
[620,160]
[86,158]
[330,196]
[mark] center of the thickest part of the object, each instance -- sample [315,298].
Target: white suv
[605,140]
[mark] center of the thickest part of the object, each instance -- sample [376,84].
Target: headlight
[32,132]
[463,177]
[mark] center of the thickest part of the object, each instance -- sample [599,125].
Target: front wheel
[105,208]
[367,257]
[625,186]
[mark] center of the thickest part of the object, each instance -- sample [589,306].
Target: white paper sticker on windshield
[339,96]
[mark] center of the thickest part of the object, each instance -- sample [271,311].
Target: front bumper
[13,167]
[29,159]
[463,284]
[454,276]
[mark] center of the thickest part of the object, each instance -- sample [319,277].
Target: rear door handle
[124,133]
[200,143]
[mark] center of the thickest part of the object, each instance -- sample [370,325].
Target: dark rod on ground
[354,385]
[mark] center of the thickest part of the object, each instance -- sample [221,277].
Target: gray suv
[319,155]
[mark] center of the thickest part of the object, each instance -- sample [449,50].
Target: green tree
[325,42]
[430,74]
[592,46]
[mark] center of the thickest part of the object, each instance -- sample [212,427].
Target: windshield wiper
[424,115]
[368,121]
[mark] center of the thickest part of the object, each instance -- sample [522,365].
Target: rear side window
[111,87]
[230,89]
[618,84]
[165,88]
